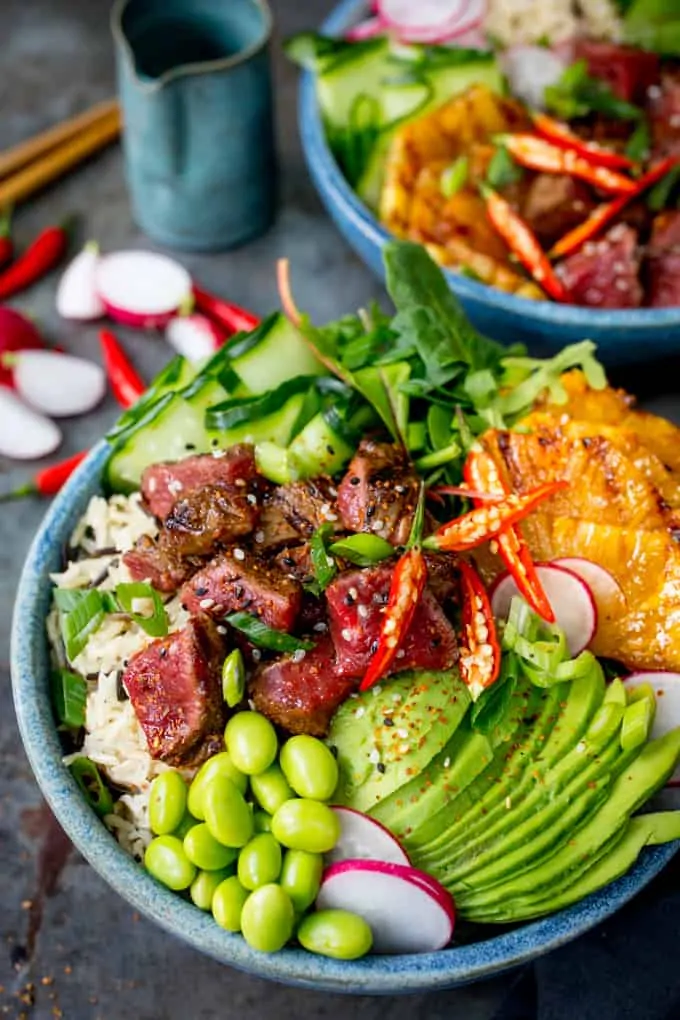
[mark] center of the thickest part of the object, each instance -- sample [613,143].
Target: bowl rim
[382,975]
[544,312]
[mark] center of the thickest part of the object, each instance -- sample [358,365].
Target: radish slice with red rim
[569,595]
[406,912]
[194,336]
[24,433]
[666,687]
[605,589]
[77,296]
[142,288]
[17,333]
[363,837]
[431,21]
[56,384]
[367,29]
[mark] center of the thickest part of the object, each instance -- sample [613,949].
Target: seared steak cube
[163,484]
[209,517]
[239,580]
[162,566]
[627,70]
[293,512]
[379,493]
[175,689]
[605,273]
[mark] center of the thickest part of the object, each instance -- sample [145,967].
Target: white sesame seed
[175,486]
[332,491]
[508,803]
[360,712]
[346,634]
[257,654]
[320,627]
[402,732]
[400,654]
[374,756]
[404,748]
[331,517]
[581,746]
[259,536]
[654,91]
[252,499]
[397,698]
[239,554]
[299,654]
[219,453]
[353,593]
[362,611]
[220,629]
[207,603]
[378,525]
[447,763]
[240,482]
[376,690]
[399,488]
[251,704]
[153,485]
[325,508]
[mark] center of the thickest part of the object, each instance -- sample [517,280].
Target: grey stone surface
[68,945]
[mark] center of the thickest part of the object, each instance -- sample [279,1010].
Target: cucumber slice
[279,426]
[177,374]
[317,450]
[273,353]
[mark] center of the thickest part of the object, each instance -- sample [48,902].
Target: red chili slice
[480,653]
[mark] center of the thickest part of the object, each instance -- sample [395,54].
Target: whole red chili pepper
[480,654]
[480,470]
[562,136]
[126,384]
[6,243]
[537,154]
[406,589]
[48,481]
[608,211]
[485,522]
[232,317]
[522,241]
[42,255]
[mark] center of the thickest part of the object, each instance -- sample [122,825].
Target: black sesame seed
[163,652]
[354,480]
[374,647]
[387,721]
[288,561]
[330,450]
[380,767]
[199,592]
[370,510]
[349,600]
[190,446]
[334,750]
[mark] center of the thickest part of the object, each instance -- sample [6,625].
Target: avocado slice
[648,771]
[497,784]
[391,733]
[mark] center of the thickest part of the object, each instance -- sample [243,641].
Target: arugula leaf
[503,170]
[639,143]
[576,94]
[652,25]
[324,566]
[528,378]
[658,196]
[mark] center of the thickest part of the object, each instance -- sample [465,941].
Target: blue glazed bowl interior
[626,335]
[374,974]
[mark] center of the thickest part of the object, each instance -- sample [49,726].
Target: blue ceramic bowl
[622,336]
[375,974]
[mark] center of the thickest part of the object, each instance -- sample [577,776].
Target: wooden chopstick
[26,152]
[56,161]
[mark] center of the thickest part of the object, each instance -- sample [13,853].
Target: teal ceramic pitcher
[195,89]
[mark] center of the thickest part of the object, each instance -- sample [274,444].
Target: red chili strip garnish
[608,211]
[537,154]
[522,241]
[126,384]
[480,653]
[406,589]
[465,493]
[231,317]
[42,255]
[480,470]
[485,522]
[49,480]
[562,136]
[6,243]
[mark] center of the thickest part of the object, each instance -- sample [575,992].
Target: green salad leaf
[324,566]
[576,94]
[503,170]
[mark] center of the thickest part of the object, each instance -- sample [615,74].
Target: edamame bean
[301,877]
[227,903]
[309,767]
[270,788]
[227,815]
[336,933]
[204,885]
[259,862]
[222,765]
[165,860]
[262,821]
[303,824]
[167,802]
[233,678]
[204,851]
[251,741]
[267,919]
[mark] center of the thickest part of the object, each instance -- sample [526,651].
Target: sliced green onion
[88,778]
[156,625]
[69,696]
[266,637]
[576,669]
[82,613]
[502,170]
[636,724]
[233,678]
[323,564]
[454,177]
[639,693]
[362,550]
[434,460]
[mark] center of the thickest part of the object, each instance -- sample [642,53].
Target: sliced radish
[530,70]
[666,687]
[605,589]
[363,837]
[367,29]
[17,333]
[570,597]
[405,913]
[58,384]
[142,288]
[77,296]
[194,336]
[25,434]
[431,21]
